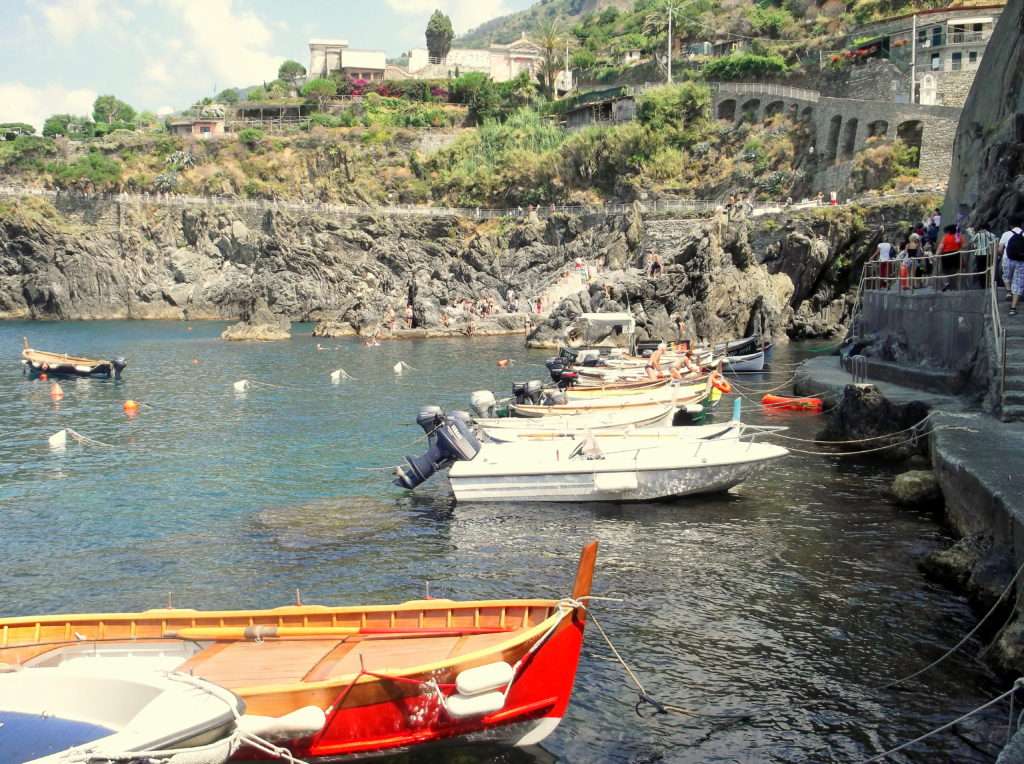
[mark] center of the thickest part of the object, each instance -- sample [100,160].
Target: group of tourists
[933,252]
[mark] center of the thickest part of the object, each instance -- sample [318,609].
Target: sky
[56,56]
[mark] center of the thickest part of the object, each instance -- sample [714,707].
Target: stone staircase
[564,287]
[1013,392]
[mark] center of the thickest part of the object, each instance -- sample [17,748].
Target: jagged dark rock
[917,488]
[864,414]
[259,323]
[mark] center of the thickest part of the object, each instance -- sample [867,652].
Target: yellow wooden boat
[39,362]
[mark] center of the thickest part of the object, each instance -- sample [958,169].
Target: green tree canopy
[439,35]
[320,89]
[109,109]
[228,96]
[67,125]
[673,106]
[290,72]
[11,130]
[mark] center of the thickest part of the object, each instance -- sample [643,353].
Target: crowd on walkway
[951,257]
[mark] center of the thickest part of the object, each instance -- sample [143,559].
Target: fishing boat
[680,396]
[570,422]
[326,682]
[750,362]
[63,365]
[588,470]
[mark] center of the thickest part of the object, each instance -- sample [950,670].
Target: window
[936,62]
[936,37]
[922,35]
[957,62]
[972,59]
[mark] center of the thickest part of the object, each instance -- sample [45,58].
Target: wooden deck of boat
[236,665]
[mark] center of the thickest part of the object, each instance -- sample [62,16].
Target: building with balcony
[329,56]
[943,46]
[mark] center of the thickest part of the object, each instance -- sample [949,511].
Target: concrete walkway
[978,460]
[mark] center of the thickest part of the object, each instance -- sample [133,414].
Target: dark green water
[791,597]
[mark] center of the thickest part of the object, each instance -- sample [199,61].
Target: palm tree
[664,18]
[551,42]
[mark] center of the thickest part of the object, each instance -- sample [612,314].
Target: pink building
[197,128]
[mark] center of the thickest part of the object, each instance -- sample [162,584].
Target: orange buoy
[56,392]
[721,383]
[503,362]
[131,407]
[815,405]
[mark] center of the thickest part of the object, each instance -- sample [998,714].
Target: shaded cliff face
[987,179]
[789,274]
[159,263]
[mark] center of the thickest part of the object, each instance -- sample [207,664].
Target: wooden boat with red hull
[328,682]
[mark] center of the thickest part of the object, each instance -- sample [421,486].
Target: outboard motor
[449,439]
[555,367]
[519,392]
[567,379]
[534,388]
[119,365]
[482,404]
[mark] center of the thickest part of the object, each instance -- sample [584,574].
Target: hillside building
[329,56]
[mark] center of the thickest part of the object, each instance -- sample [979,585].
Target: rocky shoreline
[779,275]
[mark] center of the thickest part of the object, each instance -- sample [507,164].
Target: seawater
[779,606]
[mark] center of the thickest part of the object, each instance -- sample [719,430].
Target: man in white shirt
[884,257]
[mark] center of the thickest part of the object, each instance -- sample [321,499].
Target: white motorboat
[649,402]
[596,422]
[595,469]
[89,708]
[749,362]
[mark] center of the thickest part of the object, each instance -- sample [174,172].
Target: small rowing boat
[322,682]
[63,365]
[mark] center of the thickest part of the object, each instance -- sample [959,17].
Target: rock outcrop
[259,323]
[987,177]
[917,488]
[865,419]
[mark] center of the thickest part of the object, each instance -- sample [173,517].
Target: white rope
[962,642]
[858,440]
[86,440]
[944,727]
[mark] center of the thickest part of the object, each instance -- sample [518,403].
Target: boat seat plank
[394,653]
[247,664]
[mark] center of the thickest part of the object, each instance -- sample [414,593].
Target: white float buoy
[338,375]
[241,385]
[398,368]
[59,440]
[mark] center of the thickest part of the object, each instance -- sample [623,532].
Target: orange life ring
[720,383]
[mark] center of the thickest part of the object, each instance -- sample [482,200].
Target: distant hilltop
[505,29]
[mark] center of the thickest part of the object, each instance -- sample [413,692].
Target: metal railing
[646,207]
[766,89]
[915,273]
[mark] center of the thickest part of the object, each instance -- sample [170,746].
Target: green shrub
[673,106]
[26,152]
[250,136]
[738,66]
[94,168]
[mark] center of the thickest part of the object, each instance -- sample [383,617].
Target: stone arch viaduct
[839,127]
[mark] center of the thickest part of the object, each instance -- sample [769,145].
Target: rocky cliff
[772,275]
[987,179]
[788,274]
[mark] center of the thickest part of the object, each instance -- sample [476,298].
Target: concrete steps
[1013,389]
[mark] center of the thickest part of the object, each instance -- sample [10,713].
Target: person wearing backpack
[1012,245]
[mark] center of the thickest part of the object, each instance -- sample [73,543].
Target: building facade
[202,128]
[329,56]
[500,62]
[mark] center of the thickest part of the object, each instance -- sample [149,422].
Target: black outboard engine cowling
[119,365]
[519,391]
[555,367]
[534,390]
[449,439]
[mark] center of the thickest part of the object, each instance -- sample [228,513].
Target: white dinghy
[85,710]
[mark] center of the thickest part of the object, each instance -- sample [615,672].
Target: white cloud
[231,45]
[163,111]
[465,14]
[20,103]
[156,71]
[66,18]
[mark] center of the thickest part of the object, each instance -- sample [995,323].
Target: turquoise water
[793,596]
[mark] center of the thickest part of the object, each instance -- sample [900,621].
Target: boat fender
[465,706]
[301,723]
[241,385]
[83,369]
[491,676]
[721,383]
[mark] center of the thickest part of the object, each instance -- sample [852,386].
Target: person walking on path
[1014,251]
[1003,259]
[949,249]
[884,263]
[983,242]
